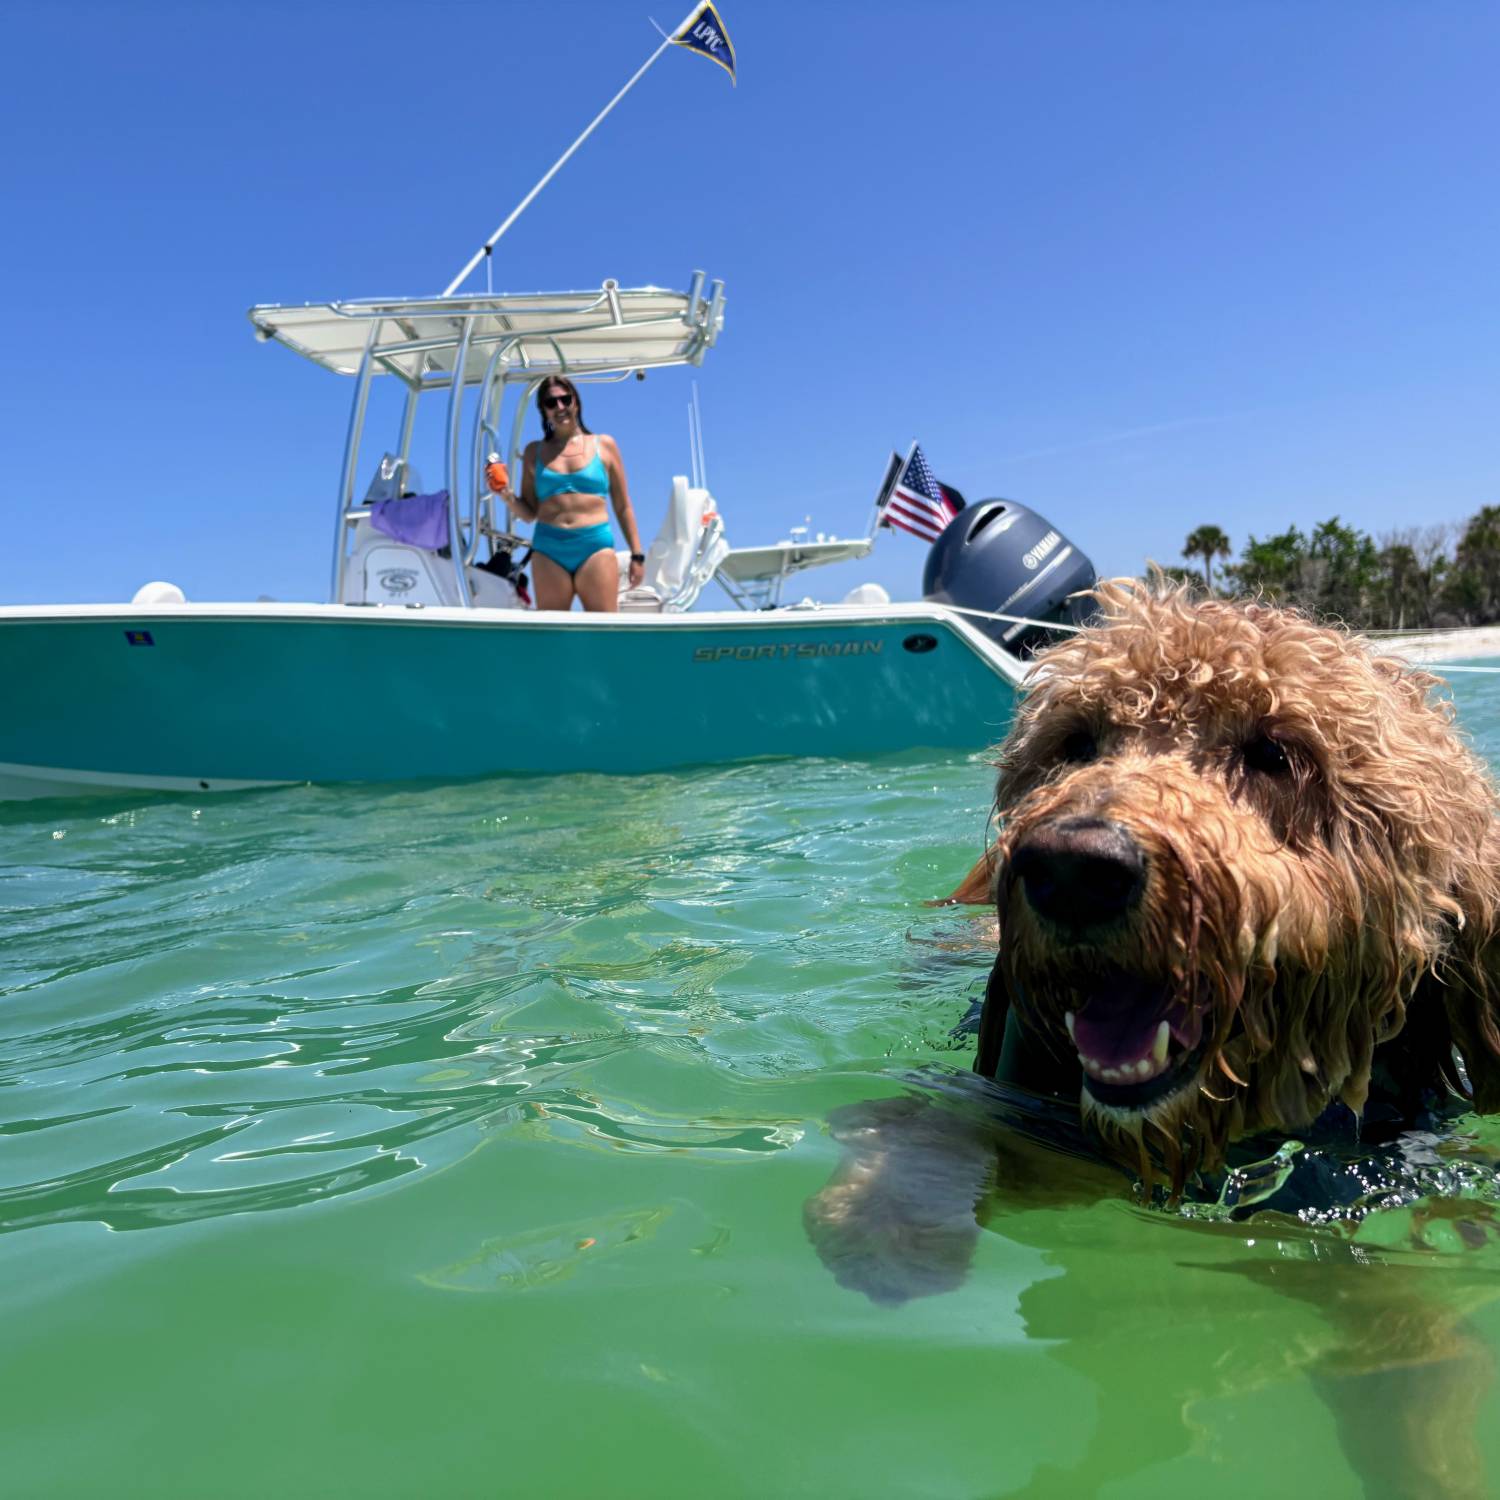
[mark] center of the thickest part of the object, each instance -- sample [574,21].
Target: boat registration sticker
[139,638]
[787,651]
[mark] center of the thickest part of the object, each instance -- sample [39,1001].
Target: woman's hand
[637,571]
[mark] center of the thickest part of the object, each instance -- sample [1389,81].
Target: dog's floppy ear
[1471,978]
[992,1021]
[977,888]
[1471,993]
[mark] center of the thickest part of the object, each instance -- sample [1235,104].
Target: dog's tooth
[1144,1069]
[1069,1020]
[1159,1046]
[1110,1075]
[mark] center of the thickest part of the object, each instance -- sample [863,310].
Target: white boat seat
[385,572]
[381,570]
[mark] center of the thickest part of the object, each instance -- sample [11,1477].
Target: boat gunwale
[1012,670]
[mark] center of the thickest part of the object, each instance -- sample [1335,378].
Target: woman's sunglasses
[556,403]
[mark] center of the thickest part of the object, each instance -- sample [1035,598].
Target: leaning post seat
[684,555]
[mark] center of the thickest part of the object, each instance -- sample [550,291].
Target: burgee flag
[918,502]
[704,32]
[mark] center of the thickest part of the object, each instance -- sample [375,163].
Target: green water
[454,1141]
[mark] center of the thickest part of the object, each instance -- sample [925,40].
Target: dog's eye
[1078,748]
[1267,756]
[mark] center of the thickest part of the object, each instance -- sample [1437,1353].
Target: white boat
[424,663]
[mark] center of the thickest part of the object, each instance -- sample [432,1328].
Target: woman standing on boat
[565,481]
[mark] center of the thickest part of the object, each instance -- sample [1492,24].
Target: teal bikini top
[591,479]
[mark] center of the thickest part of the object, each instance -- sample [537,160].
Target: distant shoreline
[1441,645]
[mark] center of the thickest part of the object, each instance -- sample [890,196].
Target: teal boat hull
[209,698]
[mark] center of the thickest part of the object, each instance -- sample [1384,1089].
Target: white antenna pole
[693,448]
[520,208]
[698,427]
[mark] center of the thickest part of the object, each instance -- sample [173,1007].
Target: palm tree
[1207,542]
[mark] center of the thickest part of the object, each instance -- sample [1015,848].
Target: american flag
[918,503]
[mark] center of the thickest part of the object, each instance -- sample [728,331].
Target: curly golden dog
[1247,880]
[1246,870]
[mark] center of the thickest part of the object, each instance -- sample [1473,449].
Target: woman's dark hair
[545,389]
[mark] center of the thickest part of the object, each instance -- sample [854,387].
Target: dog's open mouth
[1137,1039]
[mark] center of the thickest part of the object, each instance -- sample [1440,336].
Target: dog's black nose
[1080,872]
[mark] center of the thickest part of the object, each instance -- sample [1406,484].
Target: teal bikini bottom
[571,546]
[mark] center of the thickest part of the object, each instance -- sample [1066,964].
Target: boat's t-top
[474,349]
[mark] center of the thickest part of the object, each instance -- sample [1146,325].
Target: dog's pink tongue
[1117,1018]
[1115,1036]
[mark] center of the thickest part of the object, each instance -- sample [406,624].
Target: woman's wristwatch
[639,557]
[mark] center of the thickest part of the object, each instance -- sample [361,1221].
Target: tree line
[1419,578]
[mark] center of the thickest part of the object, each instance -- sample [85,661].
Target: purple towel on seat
[418,520]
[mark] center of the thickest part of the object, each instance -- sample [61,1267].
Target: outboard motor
[999,556]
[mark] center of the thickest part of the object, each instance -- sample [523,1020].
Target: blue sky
[1139,265]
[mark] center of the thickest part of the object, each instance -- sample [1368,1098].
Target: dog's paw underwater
[1246,870]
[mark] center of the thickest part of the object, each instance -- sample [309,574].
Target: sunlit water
[454,1141]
